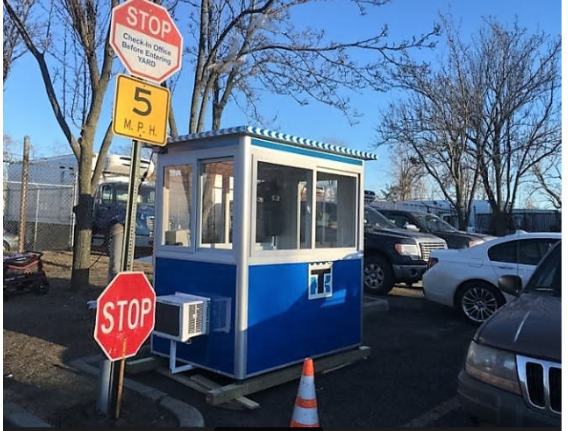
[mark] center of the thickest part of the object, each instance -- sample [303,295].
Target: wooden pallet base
[234,395]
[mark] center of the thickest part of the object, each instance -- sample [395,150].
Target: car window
[400,220]
[523,251]
[547,278]
[376,219]
[434,224]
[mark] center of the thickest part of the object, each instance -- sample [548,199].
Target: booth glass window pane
[217,181]
[283,219]
[177,205]
[336,210]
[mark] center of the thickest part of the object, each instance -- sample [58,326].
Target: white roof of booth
[291,139]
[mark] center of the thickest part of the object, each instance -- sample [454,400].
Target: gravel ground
[43,334]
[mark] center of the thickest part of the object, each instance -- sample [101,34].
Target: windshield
[547,278]
[434,223]
[374,219]
[146,195]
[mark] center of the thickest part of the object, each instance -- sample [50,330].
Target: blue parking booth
[258,252]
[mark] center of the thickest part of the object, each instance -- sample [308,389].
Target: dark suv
[431,223]
[512,374]
[394,255]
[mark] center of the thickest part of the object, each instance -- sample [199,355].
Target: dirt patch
[43,334]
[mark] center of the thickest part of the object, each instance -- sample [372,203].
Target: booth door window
[177,205]
[281,215]
[336,199]
[217,181]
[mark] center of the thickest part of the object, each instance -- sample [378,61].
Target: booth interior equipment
[258,251]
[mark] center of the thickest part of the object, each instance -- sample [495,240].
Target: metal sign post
[129,240]
[141,112]
[124,320]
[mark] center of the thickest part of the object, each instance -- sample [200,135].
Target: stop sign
[146,40]
[125,315]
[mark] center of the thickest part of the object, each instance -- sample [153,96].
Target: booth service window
[177,205]
[217,181]
[285,217]
[336,199]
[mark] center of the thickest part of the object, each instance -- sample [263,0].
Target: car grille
[541,383]
[427,247]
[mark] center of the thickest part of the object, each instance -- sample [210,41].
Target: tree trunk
[501,223]
[83,224]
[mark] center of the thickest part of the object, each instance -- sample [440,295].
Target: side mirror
[511,284]
[412,227]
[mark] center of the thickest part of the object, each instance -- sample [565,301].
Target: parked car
[467,279]
[394,255]
[10,241]
[512,373]
[431,223]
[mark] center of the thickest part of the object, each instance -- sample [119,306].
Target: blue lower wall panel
[284,326]
[216,350]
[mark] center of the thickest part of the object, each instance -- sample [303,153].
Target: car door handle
[506,267]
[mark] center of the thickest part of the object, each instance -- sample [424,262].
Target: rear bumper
[492,406]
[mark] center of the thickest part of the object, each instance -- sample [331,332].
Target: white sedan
[466,279]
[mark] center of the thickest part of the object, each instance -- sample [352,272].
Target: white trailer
[50,195]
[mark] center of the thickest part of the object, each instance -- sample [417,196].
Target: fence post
[24,191]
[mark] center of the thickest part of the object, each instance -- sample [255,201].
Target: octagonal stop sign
[146,39]
[125,315]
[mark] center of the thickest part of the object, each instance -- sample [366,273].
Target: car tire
[476,301]
[40,287]
[378,276]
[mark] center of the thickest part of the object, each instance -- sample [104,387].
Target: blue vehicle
[110,208]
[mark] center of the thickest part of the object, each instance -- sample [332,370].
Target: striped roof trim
[291,139]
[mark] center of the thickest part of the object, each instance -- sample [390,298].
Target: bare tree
[13,45]
[74,60]
[486,115]
[431,122]
[245,48]
[548,181]
[407,174]
[519,116]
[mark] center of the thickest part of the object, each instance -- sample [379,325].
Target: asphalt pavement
[409,380]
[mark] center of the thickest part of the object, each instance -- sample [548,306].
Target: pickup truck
[394,255]
[431,223]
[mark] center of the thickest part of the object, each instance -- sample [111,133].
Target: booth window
[217,179]
[335,210]
[282,213]
[177,205]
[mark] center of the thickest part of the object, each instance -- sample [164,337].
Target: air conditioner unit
[181,316]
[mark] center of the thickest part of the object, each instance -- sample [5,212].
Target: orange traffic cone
[306,409]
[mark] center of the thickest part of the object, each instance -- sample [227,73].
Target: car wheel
[41,287]
[378,276]
[477,301]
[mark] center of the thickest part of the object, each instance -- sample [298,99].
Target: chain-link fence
[38,207]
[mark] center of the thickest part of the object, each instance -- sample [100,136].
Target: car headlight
[492,366]
[475,242]
[408,250]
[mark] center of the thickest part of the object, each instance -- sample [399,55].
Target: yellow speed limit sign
[140,110]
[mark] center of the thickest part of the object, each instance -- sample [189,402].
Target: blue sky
[24,91]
